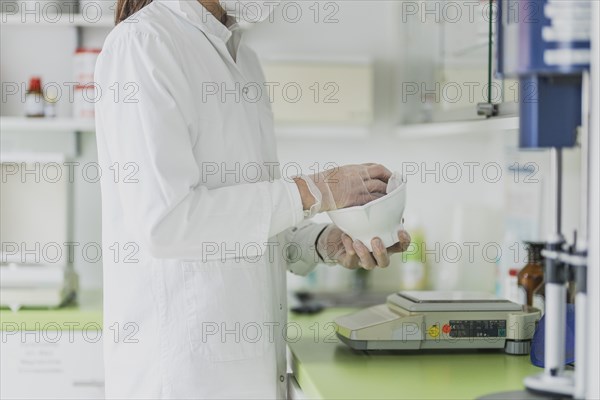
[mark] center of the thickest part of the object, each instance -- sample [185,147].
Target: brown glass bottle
[539,297]
[532,275]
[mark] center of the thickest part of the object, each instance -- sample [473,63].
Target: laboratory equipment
[435,320]
[37,286]
[381,218]
[532,274]
[549,52]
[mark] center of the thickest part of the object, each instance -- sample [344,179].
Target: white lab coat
[195,217]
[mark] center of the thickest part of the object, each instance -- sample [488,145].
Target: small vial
[512,285]
[34,99]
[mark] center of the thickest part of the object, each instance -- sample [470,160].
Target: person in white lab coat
[198,226]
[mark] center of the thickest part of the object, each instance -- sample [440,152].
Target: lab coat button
[281,378]
[280,306]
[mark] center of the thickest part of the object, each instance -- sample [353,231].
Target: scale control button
[446,328]
[434,331]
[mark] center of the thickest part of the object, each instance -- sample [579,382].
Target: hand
[334,245]
[345,186]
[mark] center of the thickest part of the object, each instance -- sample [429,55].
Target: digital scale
[420,320]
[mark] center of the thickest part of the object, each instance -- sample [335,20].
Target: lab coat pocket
[226,309]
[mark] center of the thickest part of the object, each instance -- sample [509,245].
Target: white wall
[364,30]
[400,52]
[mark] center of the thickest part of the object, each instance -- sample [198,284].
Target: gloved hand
[335,246]
[346,186]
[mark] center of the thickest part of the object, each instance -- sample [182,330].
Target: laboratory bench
[85,312]
[322,366]
[325,368]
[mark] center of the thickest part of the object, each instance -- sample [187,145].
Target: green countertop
[84,313]
[326,368]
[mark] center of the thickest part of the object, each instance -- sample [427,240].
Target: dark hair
[125,8]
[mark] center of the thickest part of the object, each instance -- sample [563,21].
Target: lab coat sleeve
[300,241]
[286,208]
[301,248]
[166,205]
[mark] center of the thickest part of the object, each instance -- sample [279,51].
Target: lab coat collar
[200,17]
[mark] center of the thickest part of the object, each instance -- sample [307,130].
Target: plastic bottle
[34,99]
[505,263]
[51,96]
[512,285]
[50,107]
[413,269]
[499,284]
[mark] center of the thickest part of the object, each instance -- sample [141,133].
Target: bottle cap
[35,84]
[81,50]
[534,251]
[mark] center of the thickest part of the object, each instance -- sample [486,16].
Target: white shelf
[40,139]
[312,131]
[443,129]
[22,124]
[415,131]
[32,157]
[56,20]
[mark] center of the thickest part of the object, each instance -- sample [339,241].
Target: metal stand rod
[556,319]
[581,249]
[556,291]
[580,340]
[556,176]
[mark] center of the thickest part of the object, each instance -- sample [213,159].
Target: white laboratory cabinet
[49,364]
[53,353]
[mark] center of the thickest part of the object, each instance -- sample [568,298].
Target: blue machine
[546,45]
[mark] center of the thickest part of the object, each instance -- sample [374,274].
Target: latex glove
[334,245]
[347,186]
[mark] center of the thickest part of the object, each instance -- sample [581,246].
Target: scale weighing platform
[423,320]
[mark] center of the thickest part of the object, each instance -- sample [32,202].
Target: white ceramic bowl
[380,218]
